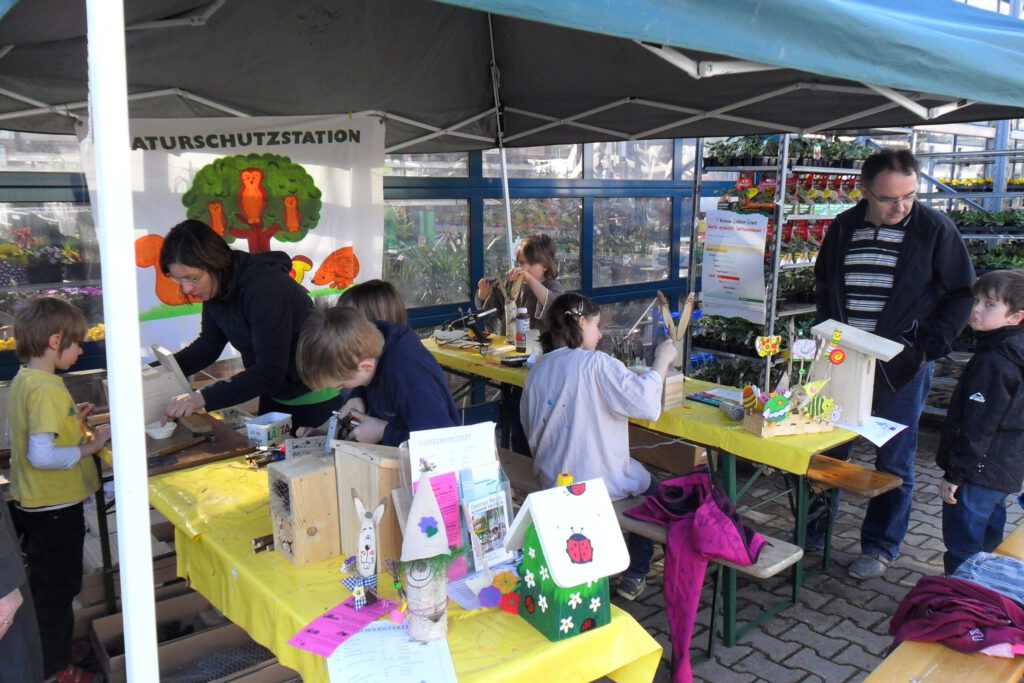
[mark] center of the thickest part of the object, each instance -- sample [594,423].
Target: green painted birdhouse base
[558,613]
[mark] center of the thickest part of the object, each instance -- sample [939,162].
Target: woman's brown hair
[194,244]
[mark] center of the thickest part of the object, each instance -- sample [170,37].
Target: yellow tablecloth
[693,421]
[217,509]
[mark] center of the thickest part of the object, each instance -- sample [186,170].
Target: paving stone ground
[839,631]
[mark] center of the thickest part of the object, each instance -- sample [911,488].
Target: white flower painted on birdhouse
[595,604]
[542,602]
[529,579]
[575,600]
[533,553]
[544,574]
[566,625]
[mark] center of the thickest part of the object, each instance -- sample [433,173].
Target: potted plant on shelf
[75,266]
[13,260]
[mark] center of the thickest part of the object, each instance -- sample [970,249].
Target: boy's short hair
[378,300]
[1003,285]
[563,321]
[334,339]
[540,249]
[42,317]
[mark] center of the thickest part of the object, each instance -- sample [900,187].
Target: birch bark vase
[426,589]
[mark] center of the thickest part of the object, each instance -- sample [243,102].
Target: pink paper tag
[332,628]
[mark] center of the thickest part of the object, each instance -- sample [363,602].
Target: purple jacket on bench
[703,525]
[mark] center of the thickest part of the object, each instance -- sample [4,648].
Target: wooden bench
[848,476]
[774,558]
[934,661]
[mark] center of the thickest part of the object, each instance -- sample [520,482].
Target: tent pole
[500,126]
[108,98]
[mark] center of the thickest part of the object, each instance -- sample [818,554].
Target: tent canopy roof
[569,71]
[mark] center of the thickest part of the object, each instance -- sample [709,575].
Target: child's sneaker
[73,674]
[631,588]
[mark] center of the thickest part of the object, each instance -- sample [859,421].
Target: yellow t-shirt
[39,403]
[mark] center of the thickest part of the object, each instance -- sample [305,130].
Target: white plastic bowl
[160,431]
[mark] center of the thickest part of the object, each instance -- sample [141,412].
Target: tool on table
[265,455]
[261,543]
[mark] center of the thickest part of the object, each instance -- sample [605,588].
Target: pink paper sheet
[332,628]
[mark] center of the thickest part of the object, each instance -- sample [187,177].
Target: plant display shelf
[50,285]
[796,266]
[834,170]
[794,311]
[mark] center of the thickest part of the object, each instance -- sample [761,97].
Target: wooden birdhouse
[571,543]
[848,359]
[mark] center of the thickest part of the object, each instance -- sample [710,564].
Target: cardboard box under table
[218,508]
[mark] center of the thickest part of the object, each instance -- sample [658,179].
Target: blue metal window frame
[475,188]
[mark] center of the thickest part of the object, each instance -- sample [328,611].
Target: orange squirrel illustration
[147,254]
[339,269]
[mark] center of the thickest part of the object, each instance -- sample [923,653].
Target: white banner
[732,278]
[310,186]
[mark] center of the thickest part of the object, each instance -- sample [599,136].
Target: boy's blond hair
[42,317]
[332,343]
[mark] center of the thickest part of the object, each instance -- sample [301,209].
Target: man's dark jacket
[259,310]
[931,295]
[983,438]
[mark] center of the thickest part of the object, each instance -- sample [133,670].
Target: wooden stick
[642,315]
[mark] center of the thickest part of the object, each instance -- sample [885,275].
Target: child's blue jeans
[641,548]
[975,524]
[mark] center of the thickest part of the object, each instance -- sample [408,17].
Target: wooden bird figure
[252,197]
[218,221]
[292,216]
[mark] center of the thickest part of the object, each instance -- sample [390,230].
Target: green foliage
[220,182]
[428,275]
[986,219]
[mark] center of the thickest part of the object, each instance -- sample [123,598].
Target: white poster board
[732,277]
[311,186]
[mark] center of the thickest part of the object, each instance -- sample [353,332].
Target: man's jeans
[888,515]
[975,524]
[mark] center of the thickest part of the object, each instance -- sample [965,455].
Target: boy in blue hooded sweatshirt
[396,385]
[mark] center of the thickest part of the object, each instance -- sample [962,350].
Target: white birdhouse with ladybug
[571,543]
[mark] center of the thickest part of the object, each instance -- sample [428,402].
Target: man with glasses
[900,270]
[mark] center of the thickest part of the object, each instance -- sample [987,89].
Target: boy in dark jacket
[982,446]
[397,386]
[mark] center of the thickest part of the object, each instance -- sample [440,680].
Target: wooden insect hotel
[571,543]
[848,361]
[304,509]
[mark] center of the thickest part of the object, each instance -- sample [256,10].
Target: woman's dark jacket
[931,295]
[983,438]
[259,311]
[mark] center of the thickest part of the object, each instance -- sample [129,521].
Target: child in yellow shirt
[50,472]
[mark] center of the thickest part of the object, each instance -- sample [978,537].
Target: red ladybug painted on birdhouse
[579,548]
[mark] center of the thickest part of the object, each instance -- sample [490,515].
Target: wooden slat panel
[849,476]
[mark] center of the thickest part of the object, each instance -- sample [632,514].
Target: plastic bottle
[522,329]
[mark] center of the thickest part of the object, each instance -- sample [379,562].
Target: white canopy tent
[446,77]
